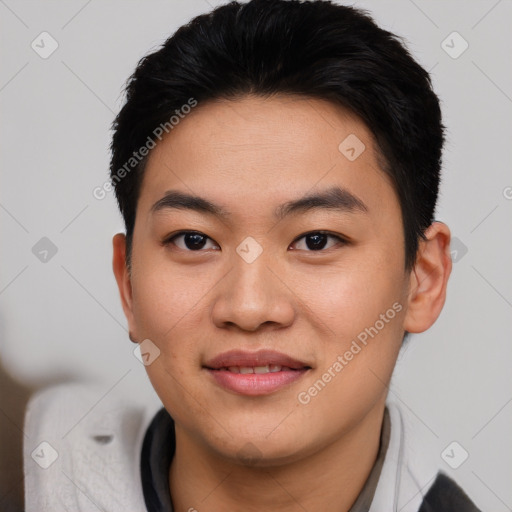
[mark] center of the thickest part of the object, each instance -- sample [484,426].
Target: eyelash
[340,240]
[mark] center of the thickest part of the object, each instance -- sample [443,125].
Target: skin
[250,155]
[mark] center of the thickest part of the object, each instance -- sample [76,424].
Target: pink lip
[254,384]
[251,359]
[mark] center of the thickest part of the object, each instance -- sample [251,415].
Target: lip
[259,358]
[254,384]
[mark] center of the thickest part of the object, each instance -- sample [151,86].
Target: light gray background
[62,319]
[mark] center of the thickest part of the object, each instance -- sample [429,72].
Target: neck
[202,480]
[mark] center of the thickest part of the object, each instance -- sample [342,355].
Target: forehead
[260,150]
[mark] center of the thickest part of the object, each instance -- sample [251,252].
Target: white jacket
[82,453]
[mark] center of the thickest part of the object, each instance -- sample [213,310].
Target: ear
[123,279]
[429,279]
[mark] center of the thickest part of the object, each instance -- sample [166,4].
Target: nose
[253,296]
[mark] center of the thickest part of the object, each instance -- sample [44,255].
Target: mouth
[256,373]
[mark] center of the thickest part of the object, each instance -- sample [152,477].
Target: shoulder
[412,477]
[82,448]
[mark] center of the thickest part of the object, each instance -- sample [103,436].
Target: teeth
[269,368]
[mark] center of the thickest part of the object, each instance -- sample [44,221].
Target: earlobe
[429,279]
[123,280]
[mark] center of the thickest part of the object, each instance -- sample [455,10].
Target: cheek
[365,318]
[351,297]
[165,299]
[362,309]
[167,310]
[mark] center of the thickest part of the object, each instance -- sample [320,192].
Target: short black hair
[317,49]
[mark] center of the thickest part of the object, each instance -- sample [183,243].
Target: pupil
[194,241]
[318,241]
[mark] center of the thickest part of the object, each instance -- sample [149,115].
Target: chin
[253,449]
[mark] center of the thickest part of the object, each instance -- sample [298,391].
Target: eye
[195,241]
[189,241]
[317,240]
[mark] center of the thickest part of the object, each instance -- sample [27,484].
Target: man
[277,167]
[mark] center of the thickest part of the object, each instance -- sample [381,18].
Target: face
[312,293]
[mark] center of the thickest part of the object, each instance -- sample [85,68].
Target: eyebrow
[333,198]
